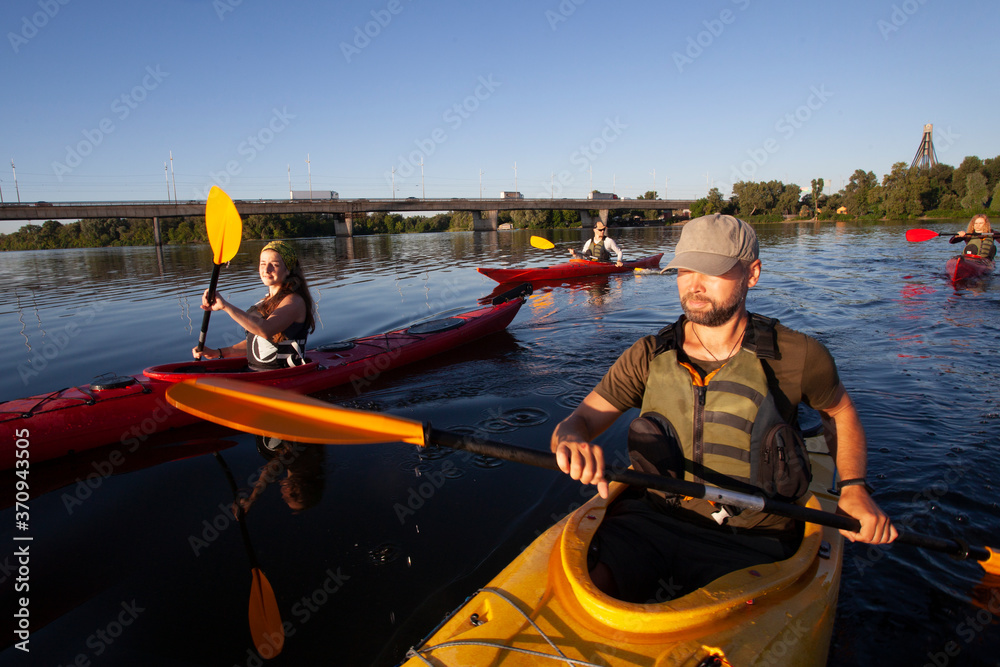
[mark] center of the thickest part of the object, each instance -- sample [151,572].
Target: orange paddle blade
[265,619]
[992,564]
[279,413]
[225,228]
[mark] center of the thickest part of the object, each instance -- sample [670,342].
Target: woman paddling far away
[979,235]
[277,325]
[600,247]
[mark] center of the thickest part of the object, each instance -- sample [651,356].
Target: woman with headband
[277,325]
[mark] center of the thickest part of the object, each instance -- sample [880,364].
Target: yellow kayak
[544,609]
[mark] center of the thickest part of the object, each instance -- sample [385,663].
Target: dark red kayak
[574,268]
[129,409]
[966,267]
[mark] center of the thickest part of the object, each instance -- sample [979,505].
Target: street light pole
[15,181]
[173,177]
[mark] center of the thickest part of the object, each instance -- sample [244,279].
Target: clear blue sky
[600,94]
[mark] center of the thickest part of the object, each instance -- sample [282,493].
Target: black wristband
[857,481]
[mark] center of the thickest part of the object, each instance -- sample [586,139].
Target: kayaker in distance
[984,246]
[277,325]
[600,247]
[718,392]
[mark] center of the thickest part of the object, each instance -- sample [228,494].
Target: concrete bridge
[484,211]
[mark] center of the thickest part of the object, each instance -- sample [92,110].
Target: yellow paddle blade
[265,618]
[225,228]
[280,413]
[542,244]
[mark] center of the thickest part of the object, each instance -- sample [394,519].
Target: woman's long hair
[972,224]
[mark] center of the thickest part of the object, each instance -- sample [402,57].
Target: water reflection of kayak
[571,269]
[129,409]
[545,603]
[965,267]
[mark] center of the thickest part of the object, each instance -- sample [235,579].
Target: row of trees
[905,192]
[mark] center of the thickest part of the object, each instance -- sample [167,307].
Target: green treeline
[942,191]
[906,192]
[110,232]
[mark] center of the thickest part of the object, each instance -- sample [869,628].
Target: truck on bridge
[602,195]
[506,194]
[313,194]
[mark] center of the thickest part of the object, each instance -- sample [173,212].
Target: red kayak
[965,267]
[574,268]
[129,409]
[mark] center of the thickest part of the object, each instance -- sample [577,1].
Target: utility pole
[166,177]
[393,181]
[552,186]
[591,180]
[172,176]
[15,181]
[309,169]
[289,180]
[480,182]
[423,192]
[515,177]
[654,180]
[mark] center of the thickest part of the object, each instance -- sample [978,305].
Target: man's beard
[719,313]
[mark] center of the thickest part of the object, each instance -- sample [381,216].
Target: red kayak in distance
[129,409]
[966,267]
[574,268]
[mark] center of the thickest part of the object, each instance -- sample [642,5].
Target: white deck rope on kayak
[562,657]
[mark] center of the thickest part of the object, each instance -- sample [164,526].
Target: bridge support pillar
[604,216]
[156,232]
[488,224]
[344,227]
[585,220]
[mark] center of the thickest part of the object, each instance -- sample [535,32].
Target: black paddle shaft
[680,487]
[208,313]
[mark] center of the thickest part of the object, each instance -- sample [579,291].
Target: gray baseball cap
[713,244]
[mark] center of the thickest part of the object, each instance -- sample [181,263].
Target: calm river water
[146,567]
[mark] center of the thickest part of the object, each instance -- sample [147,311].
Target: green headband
[286,251]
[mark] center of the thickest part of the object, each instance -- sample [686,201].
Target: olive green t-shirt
[802,372]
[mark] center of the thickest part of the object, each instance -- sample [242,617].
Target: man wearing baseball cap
[718,393]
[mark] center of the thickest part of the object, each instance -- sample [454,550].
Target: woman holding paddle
[979,235]
[600,247]
[277,325]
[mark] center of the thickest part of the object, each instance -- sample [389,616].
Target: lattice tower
[925,157]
